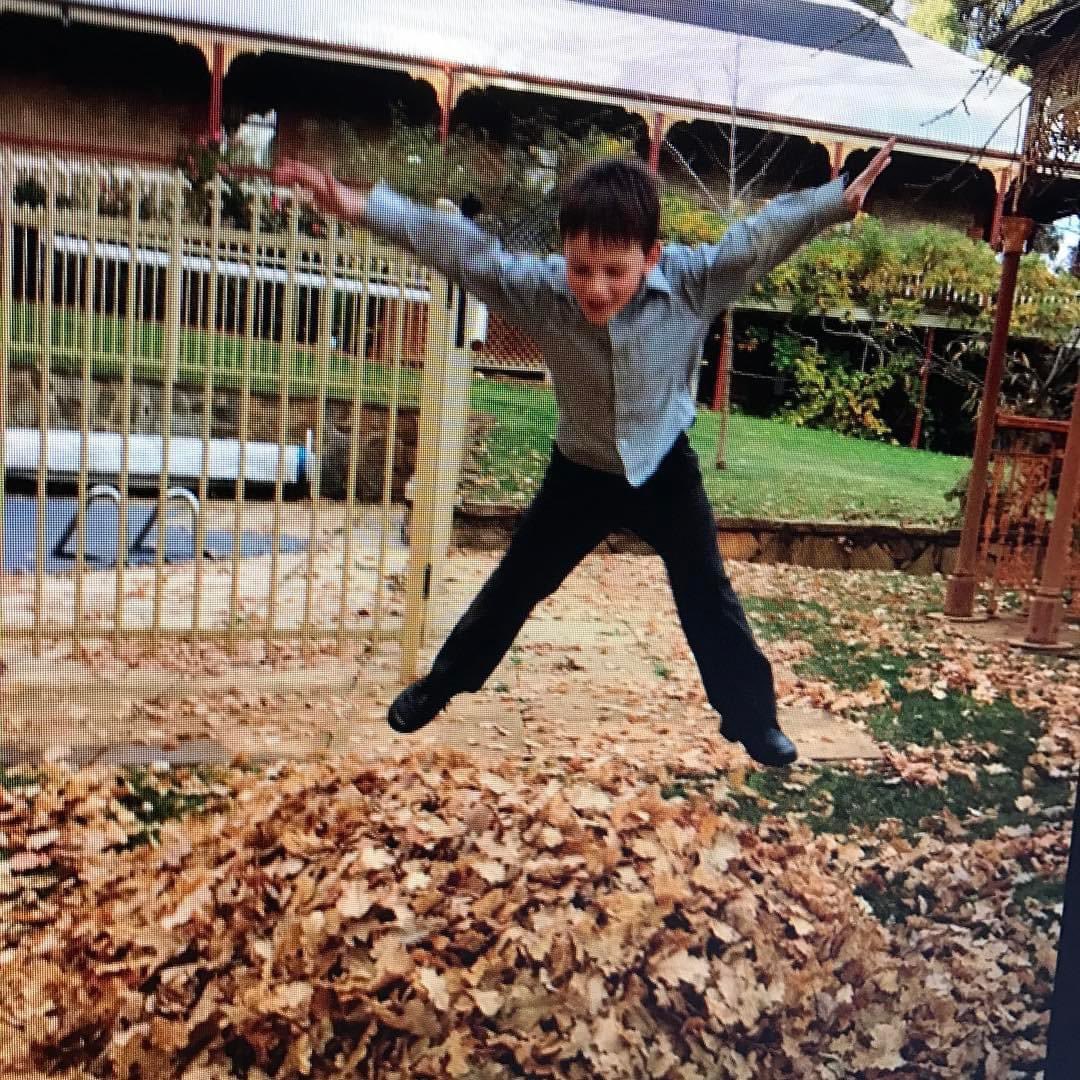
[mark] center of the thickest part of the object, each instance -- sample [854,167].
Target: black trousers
[573,511]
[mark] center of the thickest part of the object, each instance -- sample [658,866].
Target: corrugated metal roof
[848,70]
[808,23]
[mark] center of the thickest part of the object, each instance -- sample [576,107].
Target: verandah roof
[829,65]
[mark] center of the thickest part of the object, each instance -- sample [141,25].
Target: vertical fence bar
[253,294]
[62,348]
[288,357]
[128,357]
[7,300]
[397,300]
[192,344]
[173,283]
[359,312]
[109,326]
[429,462]
[996,523]
[45,355]
[453,438]
[87,344]
[322,355]
[230,358]
[208,397]
[265,362]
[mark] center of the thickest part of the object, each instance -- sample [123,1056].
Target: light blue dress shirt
[623,390]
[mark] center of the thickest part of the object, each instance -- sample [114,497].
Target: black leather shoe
[767,746]
[416,706]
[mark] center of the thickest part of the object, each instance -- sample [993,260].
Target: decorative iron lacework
[1054,132]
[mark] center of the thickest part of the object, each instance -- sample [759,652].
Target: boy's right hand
[329,195]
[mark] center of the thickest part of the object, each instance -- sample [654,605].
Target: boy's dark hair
[615,200]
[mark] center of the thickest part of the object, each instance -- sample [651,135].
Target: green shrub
[831,393]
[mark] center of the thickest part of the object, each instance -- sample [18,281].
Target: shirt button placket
[613,353]
[618,403]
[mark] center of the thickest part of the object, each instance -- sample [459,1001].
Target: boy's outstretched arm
[716,276]
[512,284]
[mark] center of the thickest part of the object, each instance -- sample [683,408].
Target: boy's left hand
[855,193]
[328,194]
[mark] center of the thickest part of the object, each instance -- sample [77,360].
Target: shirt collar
[656,279]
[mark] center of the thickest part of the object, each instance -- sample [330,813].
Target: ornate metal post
[1044,618]
[960,597]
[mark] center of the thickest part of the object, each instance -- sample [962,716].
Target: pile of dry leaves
[432,917]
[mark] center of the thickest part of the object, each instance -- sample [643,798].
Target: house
[804,88]
[124,77]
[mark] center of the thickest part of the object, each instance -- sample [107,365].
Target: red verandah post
[960,596]
[924,378]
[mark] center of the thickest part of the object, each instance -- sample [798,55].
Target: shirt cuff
[383,209]
[828,203]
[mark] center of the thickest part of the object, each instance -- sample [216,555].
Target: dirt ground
[603,661]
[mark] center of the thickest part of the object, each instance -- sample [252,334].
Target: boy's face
[604,275]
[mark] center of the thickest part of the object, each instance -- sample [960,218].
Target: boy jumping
[621,321]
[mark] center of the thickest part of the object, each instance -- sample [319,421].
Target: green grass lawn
[773,470]
[109,350]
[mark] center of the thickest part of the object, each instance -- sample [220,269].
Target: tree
[939,19]
[968,25]
[985,20]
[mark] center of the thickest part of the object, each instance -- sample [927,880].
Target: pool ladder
[112,494]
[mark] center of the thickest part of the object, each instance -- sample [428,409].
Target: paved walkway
[600,668]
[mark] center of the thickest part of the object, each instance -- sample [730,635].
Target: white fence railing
[113,279]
